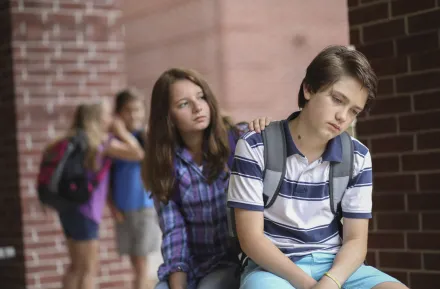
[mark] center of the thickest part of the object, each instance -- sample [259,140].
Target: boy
[137,231]
[295,242]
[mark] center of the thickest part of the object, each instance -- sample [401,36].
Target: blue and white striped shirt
[300,221]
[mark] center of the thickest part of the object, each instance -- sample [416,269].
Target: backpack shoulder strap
[275,155]
[340,175]
[56,176]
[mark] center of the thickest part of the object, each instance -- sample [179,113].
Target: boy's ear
[306,90]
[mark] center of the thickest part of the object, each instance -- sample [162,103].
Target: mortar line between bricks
[391,18]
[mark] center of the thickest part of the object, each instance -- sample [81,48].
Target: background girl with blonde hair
[81,224]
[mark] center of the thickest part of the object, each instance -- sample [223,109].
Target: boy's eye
[355,112]
[336,100]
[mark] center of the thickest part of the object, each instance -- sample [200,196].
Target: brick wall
[401,38]
[64,52]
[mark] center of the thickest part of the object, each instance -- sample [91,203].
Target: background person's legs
[73,274]
[139,264]
[84,265]
[82,242]
[88,258]
[145,239]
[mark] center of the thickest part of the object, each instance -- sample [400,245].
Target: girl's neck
[194,143]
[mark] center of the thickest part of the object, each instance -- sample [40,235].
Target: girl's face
[188,109]
[106,115]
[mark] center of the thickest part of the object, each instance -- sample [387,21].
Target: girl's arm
[175,250]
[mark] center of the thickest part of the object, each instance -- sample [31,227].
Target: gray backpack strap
[56,175]
[340,175]
[275,154]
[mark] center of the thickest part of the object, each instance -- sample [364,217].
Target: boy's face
[106,115]
[332,110]
[133,115]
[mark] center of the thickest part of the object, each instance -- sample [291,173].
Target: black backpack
[63,181]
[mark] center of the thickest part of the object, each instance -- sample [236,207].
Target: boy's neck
[194,142]
[307,142]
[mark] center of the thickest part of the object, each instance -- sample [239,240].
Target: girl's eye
[355,112]
[183,104]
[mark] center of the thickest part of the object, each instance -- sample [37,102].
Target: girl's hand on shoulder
[259,124]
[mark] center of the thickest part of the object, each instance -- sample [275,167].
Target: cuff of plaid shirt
[165,270]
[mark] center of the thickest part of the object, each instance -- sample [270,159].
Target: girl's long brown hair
[162,137]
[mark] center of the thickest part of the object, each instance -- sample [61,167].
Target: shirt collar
[332,153]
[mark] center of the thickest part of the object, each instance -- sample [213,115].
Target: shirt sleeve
[357,201]
[174,248]
[246,181]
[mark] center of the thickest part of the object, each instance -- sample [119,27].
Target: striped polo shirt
[300,220]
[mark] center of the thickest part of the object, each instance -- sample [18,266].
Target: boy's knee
[264,280]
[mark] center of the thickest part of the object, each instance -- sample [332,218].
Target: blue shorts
[315,265]
[78,227]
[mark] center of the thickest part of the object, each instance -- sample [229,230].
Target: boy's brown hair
[331,64]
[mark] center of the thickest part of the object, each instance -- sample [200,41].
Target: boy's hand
[117,215]
[310,284]
[325,283]
[259,124]
[118,125]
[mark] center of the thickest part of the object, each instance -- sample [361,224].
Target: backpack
[64,182]
[275,155]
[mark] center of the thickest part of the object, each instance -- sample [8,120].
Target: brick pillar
[401,38]
[12,269]
[63,52]
[253,53]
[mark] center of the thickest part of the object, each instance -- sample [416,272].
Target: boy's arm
[250,230]
[356,210]
[126,146]
[245,195]
[116,213]
[352,253]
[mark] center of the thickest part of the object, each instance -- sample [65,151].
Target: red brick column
[63,52]
[401,38]
[12,269]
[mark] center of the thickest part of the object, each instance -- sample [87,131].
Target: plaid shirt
[194,223]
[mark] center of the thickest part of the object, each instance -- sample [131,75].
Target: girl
[81,225]
[185,168]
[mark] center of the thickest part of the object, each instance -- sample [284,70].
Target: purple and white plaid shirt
[194,223]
